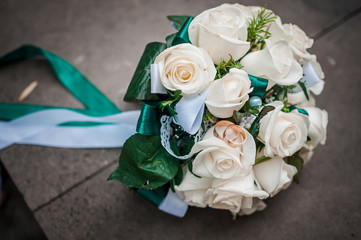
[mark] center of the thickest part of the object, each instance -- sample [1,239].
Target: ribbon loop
[95,102]
[182,36]
[259,86]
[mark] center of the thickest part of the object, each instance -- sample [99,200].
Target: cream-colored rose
[299,99]
[234,194]
[221,31]
[185,67]
[257,205]
[250,11]
[274,175]
[216,159]
[228,93]
[283,133]
[275,62]
[294,35]
[318,127]
[306,155]
[194,190]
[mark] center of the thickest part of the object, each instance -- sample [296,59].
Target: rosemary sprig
[257,28]
[224,67]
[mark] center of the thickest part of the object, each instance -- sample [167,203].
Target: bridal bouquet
[227,118]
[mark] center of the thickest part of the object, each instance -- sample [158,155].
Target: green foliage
[297,161]
[261,159]
[224,67]
[257,28]
[208,116]
[139,87]
[254,130]
[170,103]
[144,163]
[169,39]
[190,168]
[178,21]
[279,92]
[304,89]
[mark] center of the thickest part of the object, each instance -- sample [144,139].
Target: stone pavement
[67,189]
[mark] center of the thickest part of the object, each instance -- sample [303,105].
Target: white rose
[318,127]
[306,155]
[294,35]
[250,11]
[257,205]
[274,175]
[221,31]
[275,62]
[193,189]
[234,194]
[299,99]
[217,159]
[228,93]
[185,67]
[283,133]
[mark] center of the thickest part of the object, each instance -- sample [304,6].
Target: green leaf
[139,87]
[190,168]
[304,89]
[144,163]
[254,130]
[258,28]
[171,102]
[179,177]
[169,39]
[296,161]
[178,21]
[261,159]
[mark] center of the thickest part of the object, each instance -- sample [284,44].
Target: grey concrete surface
[66,188]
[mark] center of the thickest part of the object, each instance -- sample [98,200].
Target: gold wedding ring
[239,133]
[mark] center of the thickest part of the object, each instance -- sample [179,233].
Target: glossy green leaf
[296,161]
[261,159]
[169,39]
[144,163]
[139,87]
[179,177]
[254,130]
[178,21]
[304,89]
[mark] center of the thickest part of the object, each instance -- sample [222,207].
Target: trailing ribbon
[95,102]
[100,125]
[46,128]
[182,36]
[166,200]
[259,86]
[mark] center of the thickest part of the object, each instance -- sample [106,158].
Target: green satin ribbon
[300,110]
[154,196]
[149,119]
[182,36]
[259,86]
[95,102]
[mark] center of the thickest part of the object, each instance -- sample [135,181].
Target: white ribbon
[41,128]
[310,77]
[190,112]
[173,204]
[156,85]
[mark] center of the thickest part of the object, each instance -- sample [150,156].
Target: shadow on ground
[16,220]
